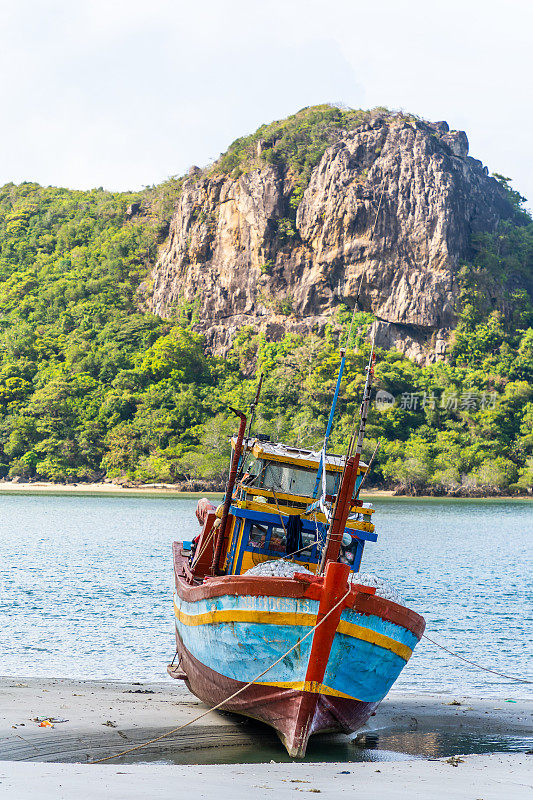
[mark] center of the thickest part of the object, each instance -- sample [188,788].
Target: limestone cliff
[392,202]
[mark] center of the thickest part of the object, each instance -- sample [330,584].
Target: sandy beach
[106,717]
[98,488]
[493,777]
[114,488]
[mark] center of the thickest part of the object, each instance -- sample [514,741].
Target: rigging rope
[473,663]
[227,699]
[279,512]
[209,537]
[377,212]
[371,237]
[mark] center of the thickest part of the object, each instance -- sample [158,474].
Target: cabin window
[288,479]
[254,468]
[258,536]
[267,538]
[277,541]
[272,539]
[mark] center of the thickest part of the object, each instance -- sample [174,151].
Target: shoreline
[167,489]
[103,718]
[42,487]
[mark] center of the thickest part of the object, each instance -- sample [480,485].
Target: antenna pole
[229,491]
[253,406]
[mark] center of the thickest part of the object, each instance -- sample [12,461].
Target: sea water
[86,585]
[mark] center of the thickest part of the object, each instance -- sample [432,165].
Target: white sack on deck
[286,569]
[277,569]
[383,588]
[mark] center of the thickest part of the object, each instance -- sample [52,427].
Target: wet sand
[140,711]
[105,717]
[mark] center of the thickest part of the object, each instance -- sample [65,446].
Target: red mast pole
[340,514]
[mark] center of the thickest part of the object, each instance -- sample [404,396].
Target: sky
[125,93]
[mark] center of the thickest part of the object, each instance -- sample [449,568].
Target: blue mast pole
[329,426]
[322,464]
[330,422]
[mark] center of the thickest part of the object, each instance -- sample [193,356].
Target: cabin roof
[298,456]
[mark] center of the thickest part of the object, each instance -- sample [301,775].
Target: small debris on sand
[455,761]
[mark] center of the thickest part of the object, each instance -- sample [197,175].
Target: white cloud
[122,94]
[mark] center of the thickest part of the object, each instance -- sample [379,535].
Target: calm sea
[86,585]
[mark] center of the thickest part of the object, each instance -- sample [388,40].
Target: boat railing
[293,501]
[262,505]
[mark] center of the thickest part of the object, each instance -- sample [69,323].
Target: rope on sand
[227,699]
[251,683]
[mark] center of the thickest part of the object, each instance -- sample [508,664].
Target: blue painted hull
[227,641]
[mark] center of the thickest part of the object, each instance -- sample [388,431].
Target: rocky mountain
[277,236]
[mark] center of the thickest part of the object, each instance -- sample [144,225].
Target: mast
[229,491]
[346,490]
[322,464]
[253,405]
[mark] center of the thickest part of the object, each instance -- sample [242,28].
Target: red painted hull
[295,715]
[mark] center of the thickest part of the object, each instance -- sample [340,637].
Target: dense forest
[93,386]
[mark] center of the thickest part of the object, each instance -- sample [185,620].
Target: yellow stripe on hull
[233,615]
[307,686]
[366,635]
[292,618]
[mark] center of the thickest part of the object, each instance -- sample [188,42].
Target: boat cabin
[275,512]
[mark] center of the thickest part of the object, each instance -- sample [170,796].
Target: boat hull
[295,714]
[320,656]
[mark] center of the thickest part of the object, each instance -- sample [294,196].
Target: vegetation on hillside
[293,145]
[90,385]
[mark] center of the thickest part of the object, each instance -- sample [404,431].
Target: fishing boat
[271,621]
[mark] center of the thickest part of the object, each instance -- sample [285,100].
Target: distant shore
[107,488]
[100,488]
[116,488]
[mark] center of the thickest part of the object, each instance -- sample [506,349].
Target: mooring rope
[473,663]
[257,677]
[279,512]
[227,699]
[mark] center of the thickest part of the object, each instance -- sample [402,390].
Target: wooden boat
[306,652]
